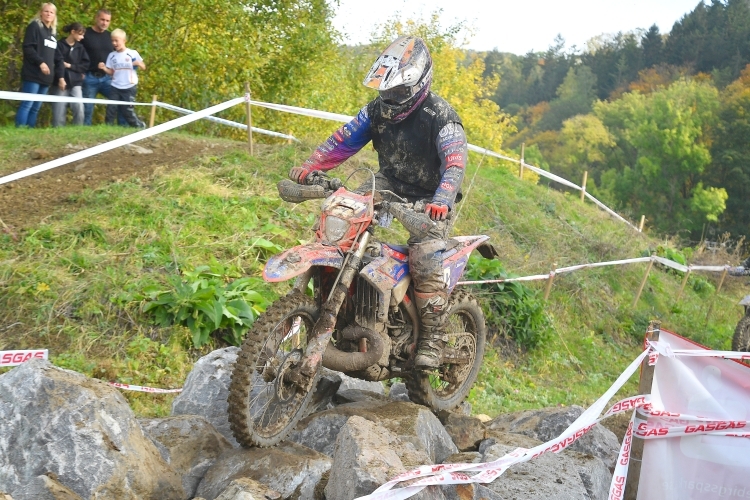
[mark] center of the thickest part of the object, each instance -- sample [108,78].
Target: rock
[618,424]
[508,439]
[82,430]
[328,384]
[133,149]
[80,166]
[594,474]
[484,418]
[40,154]
[292,470]
[206,389]
[358,396]
[71,147]
[44,488]
[248,489]
[364,459]
[547,476]
[466,432]
[348,383]
[191,445]
[319,432]
[548,423]
[463,409]
[398,392]
[466,457]
[471,491]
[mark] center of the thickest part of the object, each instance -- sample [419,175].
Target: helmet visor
[397,95]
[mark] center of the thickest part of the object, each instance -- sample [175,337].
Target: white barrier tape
[602,264]
[16,357]
[609,210]
[620,476]
[666,350]
[140,388]
[21,96]
[671,263]
[228,123]
[325,115]
[536,277]
[122,141]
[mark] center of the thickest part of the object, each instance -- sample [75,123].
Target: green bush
[205,301]
[512,307]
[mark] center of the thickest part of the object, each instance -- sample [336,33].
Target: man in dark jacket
[422,152]
[98,44]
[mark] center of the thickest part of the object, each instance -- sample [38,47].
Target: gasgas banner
[15,358]
[696,394]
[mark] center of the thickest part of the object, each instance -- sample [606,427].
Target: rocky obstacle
[66,437]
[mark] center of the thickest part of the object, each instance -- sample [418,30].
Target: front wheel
[741,340]
[447,387]
[264,401]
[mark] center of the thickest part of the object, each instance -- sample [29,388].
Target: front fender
[299,259]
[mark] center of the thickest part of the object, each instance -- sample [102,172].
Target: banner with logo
[692,465]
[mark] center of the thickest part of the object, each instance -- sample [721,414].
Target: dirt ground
[28,201]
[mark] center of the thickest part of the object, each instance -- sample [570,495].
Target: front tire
[448,386]
[263,406]
[741,339]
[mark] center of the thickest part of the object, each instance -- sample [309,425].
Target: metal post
[636,447]
[583,185]
[640,226]
[643,283]
[551,278]
[153,112]
[718,290]
[520,168]
[249,117]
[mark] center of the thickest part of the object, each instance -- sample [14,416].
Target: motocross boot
[432,308]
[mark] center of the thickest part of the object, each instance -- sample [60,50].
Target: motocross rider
[422,152]
[741,270]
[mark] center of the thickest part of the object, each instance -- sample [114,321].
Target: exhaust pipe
[341,361]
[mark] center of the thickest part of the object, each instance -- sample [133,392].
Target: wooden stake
[551,278]
[718,291]
[640,226]
[684,283]
[583,185]
[249,117]
[643,283]
[153,112]
[520,168]
[636,447]
[289,141]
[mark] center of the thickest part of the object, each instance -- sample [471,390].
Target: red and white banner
[15,358]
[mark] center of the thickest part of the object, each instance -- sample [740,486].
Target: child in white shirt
[121,66]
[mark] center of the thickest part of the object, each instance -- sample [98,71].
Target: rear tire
[448,386]
[263,406]
[741,339]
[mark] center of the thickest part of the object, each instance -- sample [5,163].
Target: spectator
[98,45]
[42,64]
[121,66]
[76,62]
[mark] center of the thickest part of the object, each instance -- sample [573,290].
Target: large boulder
[548,423]
[81,430]
[206,389]
[293,470]
[593,472]
[248,489]
[547,476]
[349,383]
[188,443]
[45,487]
[366,456]
[467,432]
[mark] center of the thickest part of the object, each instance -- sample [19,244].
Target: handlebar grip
[418,224]
[297,193]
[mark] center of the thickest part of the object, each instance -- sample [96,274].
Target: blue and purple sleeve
[343,144]
[452,149]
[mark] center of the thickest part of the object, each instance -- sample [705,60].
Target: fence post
[289,141]
[636,446]
[718,290]
[520,168]
[249,117]
[583,185]
[153,112]
[643,283]
[551,278]
[640,226]
[684,283]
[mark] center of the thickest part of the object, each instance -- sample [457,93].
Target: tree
[574,97]
[584,142]
[653,47]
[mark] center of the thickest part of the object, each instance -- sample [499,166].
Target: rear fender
[457,254]
[297,260]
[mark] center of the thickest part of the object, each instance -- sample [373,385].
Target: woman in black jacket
[76,62]
[42,64]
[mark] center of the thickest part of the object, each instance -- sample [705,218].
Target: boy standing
[121,66]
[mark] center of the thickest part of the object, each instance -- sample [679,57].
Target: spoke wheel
[741,340]
[447,387]
[264,403]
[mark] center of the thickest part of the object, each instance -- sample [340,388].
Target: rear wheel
[264,404]
[447,387]
[741,340]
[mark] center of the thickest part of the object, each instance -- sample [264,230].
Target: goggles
[397,95]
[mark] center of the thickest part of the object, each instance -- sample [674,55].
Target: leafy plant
[203,301]
[513,308]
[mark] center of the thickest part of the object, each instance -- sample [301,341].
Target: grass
[76,283]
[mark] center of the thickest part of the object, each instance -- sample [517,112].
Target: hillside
[77,268]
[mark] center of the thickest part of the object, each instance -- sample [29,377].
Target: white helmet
[401,72]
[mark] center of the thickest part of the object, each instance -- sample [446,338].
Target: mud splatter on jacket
[424,154]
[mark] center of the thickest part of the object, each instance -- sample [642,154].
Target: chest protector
[408,150]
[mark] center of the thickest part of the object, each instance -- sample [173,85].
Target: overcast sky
[516,26]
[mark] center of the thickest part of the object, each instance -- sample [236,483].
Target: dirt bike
[741,339]
[361,320]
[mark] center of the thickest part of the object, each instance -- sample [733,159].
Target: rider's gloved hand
[436,211]
[298,174]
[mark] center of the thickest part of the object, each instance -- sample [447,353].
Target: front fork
[323,329]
